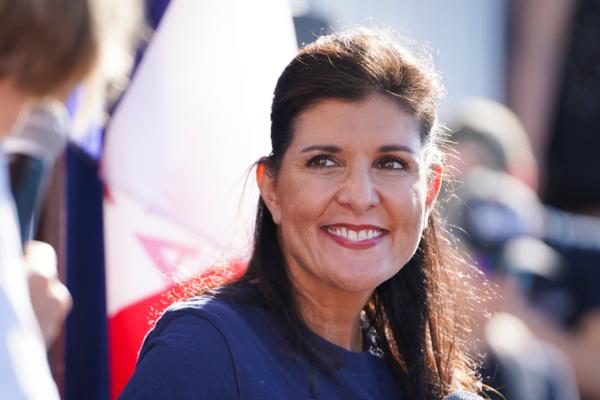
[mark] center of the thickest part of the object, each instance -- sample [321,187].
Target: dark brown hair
[417,314]
[46,45]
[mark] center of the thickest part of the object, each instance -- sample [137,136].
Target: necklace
[370,337]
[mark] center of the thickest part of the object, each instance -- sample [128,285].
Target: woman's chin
[360,284]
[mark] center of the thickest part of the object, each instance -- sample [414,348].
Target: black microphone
[462,396]
[31,150]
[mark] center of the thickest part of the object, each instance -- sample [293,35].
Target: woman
[350,292]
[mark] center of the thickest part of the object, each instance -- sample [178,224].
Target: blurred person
[493,162]
[350,291]
[492,210]
[46,49]
[554,87]
[487,134]
[558,301]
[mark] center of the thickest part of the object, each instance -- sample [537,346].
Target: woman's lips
[358,237]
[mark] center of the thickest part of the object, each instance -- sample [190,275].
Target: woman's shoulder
[191,324]
[205,307]
[192,338]
[221,307]
[221,311]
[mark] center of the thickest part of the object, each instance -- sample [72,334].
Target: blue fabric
[86,354]
[216,349]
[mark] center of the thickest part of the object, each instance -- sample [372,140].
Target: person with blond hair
[47,47]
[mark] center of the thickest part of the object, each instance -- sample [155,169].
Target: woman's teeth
[355,236]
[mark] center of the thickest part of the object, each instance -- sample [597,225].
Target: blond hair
[49,46]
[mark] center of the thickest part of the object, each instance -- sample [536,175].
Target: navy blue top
[210,348]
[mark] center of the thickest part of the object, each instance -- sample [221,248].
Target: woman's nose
[358,191]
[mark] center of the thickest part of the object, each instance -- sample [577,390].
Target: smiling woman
[352,290]
[350,200]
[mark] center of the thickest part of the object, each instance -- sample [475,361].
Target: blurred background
[151,192]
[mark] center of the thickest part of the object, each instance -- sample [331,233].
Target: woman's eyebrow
[328,148]
[395,147]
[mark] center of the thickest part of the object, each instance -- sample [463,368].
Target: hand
[50,299]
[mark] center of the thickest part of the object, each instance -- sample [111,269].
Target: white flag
[194,119]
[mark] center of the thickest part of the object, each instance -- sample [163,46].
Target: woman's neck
[335,317]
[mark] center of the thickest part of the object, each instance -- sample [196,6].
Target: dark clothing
[572,181]
[575,292]
[211,348]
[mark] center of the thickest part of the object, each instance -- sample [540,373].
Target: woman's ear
[434,184]
[266,185]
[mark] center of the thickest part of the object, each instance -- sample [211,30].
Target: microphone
[461,395]
[31,150]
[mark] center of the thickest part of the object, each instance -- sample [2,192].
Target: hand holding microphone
[50,299]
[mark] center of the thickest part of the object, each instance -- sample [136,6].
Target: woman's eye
[392,164]
[321,161]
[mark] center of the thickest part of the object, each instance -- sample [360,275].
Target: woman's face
[352,196]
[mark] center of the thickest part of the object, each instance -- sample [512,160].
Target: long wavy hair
[418,314]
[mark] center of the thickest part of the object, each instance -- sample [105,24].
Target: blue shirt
[210,348]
